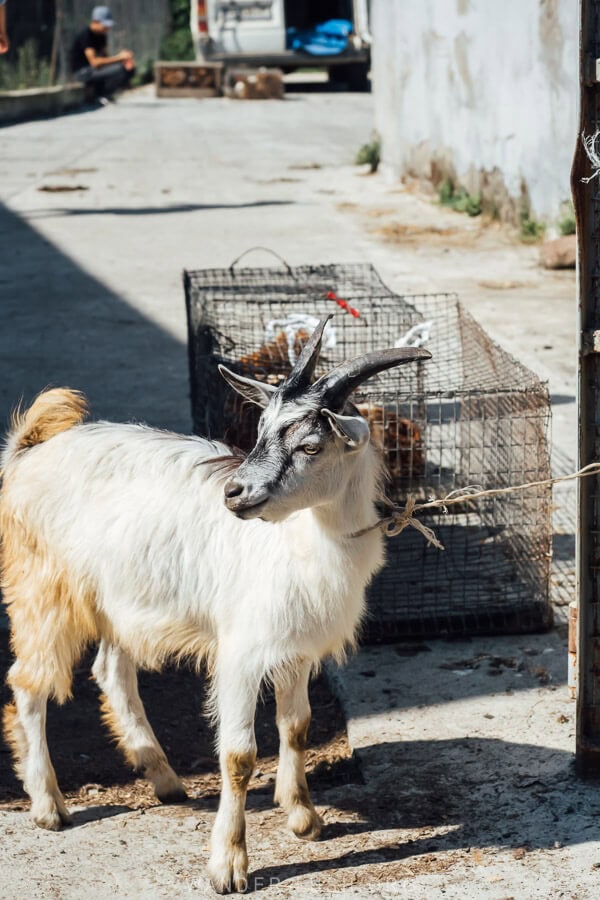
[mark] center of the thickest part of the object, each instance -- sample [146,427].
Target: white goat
[119,534]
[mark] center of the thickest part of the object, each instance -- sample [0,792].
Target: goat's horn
[304,369]
[337,385]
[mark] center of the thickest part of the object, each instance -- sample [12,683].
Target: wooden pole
[586,199]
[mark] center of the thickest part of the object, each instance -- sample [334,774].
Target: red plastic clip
[343,304]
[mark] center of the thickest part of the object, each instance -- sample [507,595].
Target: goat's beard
[266,512]
[272,511]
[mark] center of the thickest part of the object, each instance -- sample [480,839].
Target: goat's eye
[310,449]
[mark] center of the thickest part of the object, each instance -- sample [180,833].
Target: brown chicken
[399,438]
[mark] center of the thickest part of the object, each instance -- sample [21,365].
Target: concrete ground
[466,746]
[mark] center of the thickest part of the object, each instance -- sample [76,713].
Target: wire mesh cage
[471,415]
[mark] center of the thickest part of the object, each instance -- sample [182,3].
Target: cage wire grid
[470,415]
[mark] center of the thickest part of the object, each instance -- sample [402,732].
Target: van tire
[355,76]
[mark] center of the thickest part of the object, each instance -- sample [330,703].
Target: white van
[275,32]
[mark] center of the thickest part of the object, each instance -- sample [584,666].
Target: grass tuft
[459,199]
[567,224]
[532,230]
[28,71]
[370,154]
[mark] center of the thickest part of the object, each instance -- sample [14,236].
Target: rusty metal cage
[471,415]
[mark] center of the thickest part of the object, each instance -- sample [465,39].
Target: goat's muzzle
[245,500]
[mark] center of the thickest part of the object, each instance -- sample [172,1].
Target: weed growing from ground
[370,154]
[459,199]
[566,224]
[532,230]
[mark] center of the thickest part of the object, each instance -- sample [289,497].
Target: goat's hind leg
[25,731]
[115,672]
[46,644]
[293,719]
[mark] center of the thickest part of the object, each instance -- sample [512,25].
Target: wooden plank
[188,79]
[187,92]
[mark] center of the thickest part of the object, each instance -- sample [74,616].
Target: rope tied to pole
[589,142]
[403,517]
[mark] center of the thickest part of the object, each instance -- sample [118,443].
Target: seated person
[91,63]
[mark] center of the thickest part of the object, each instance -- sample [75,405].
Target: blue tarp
[327,39]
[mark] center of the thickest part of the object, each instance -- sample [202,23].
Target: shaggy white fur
[136,517]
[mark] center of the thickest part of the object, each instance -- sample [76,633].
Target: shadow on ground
[475,793]
[83,751]
[150,210]
[62,326]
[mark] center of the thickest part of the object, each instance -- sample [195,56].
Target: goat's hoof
[237,885]
[305,822]
[167,786]
[232,884]
[230,874]
[50,815]
[176,795]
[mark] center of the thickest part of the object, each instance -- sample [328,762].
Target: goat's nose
[233,489]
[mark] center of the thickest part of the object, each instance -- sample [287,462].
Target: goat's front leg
[235,693]
[293,719]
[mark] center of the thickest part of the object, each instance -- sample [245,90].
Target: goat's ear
[353,430]
[255,391]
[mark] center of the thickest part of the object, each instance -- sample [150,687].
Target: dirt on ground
[360,841]
[89,766]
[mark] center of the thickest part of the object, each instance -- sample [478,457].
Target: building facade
[481,93]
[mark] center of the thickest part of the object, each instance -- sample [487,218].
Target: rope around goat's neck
[401,518]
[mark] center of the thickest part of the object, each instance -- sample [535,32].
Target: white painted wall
[487,84]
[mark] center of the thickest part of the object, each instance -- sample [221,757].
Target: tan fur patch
[300,796]
[298,736]
[236,840]
[239,767]
[14,735]
[52,616]
[50,413]
[114,726]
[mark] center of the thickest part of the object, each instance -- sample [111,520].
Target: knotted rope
[589,142]
[401,518]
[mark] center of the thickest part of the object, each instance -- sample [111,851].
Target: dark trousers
[105,80]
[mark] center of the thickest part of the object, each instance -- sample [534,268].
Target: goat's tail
[51,412]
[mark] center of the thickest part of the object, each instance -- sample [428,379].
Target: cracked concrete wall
[481,92]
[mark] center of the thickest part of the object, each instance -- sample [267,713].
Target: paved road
[90,280]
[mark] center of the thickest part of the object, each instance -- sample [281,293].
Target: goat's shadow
[83,751]
[478,792]
[89,814]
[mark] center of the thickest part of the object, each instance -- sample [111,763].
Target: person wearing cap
[4,45]
[90,62]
